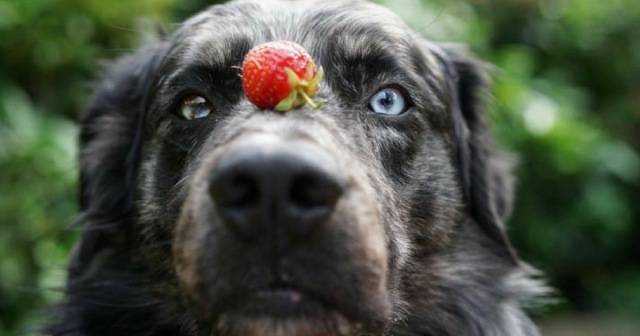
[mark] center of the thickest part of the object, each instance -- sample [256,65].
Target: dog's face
[351,219]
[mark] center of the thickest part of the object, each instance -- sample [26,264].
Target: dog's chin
[234,325]
[282,313]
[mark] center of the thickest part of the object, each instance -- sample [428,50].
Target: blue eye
[195,107]
[388,101]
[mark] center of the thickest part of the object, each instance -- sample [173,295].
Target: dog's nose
[275,190]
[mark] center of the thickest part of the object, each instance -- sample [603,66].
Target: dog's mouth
[283,310]
[279,301]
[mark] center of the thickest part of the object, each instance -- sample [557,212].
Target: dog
[381,213]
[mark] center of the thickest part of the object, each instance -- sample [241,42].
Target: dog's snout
[275,190]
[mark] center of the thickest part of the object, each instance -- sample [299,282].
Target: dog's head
[381,211]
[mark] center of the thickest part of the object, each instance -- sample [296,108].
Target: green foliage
[37,165]
[50,48]
[49,53]
[567,102]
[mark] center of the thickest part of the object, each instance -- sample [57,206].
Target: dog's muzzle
[275,233]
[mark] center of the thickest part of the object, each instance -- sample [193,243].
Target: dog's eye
[195,107]
[388,101]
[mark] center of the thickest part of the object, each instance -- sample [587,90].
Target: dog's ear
[485,172]
[110,139]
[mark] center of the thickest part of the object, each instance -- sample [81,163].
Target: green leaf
[287,103]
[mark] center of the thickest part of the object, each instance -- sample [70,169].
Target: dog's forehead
[223,33]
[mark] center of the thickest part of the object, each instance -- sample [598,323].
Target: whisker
[177,144]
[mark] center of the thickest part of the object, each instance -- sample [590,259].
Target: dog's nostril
[243,191]
[233,191]
[314,190]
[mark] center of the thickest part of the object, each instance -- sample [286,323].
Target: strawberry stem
[298,95]
[310,101]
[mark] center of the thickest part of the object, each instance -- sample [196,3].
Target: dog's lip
[294,301]
[280,301]
[289,294]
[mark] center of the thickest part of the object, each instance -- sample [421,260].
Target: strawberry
[280,75]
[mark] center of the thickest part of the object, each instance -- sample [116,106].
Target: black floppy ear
[110,139]
[485,172]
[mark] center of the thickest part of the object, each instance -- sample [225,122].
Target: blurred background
[567,104]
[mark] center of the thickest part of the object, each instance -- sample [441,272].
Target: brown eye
[195,107]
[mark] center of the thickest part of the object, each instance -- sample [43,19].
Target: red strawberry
[280,75]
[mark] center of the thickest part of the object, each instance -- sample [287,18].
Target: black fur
[417,247]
